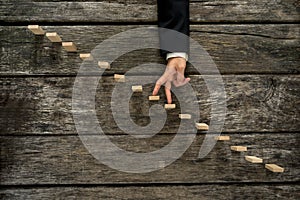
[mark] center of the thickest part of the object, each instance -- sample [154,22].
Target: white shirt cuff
[177,54]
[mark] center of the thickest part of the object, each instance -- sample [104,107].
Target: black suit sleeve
[174,15]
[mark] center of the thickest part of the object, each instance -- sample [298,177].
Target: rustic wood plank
[145,11]
[205,192]
[254,104]
[237,49]
[64,160]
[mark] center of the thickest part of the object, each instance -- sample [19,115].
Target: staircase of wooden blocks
[42,155]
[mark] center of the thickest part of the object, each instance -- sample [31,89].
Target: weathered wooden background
[255,45]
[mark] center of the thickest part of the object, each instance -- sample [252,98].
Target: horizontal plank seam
[116,23]
[123,134]
[145,184]
[132,74]
[244,34]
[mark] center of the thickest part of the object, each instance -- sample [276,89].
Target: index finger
[168,92]
[159,82]
[156,89]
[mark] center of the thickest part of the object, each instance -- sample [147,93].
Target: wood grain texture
[145,11]
[254,104]
[41,155]
[203,192]
[64,160]
[236,49]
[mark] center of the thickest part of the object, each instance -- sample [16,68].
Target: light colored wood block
[202,126]
[84,56]
[185,116]
[238,148]
[170,106]
[154,98]
[104,65]
[223,137]
[119,77]
[137,88]
[161,164]
[274,168]
[36,29]
[69,46]
[254,159]
[53,37]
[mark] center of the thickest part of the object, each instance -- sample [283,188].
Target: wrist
[177,55]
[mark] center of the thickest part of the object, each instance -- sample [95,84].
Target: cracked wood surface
[255,103]
[36,160]
[203,192]
[145,11]
[41,155]
[236,49]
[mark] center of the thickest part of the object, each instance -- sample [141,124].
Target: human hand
[174,73]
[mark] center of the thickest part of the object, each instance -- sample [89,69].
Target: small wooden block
[36,29]
[53,37]
[84,56]
[254,159]
[154,98]
[185,116]
[104,65]
[274,168]
[119,77]
[223,137]
[137,88]
[69,46]
[202,126]
[161,164]
[170,106]
[238,148]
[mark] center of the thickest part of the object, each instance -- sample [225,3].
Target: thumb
[177,83]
